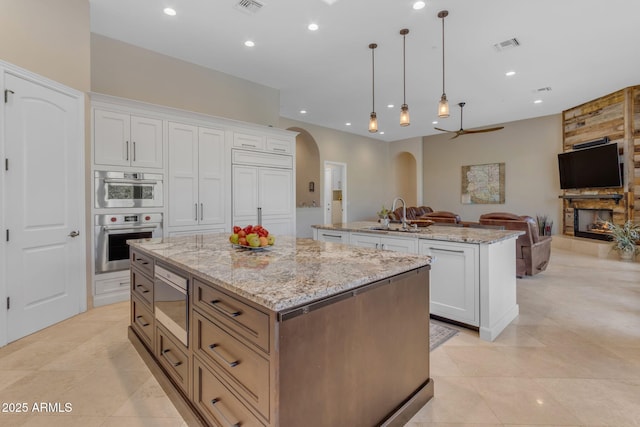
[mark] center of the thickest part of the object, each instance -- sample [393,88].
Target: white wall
[412,146]
[127,71]
[368,175]
[529,150]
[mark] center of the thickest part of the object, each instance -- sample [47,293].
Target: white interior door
[44,206]
[335,178]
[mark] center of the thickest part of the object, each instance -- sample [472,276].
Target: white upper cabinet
[125,140]
[196,175]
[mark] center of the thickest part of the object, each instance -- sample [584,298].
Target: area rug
[439,334]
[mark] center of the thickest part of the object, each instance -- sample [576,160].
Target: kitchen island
[473,276]
[301,333]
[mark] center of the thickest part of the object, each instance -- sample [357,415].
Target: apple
[236,229]
[234,238]
[263,241]
[242,241]
[254,241]
[242,233]
[271,239]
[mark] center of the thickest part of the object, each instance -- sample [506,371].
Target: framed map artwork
[482,184]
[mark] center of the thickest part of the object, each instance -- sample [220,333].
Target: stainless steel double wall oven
[117,191]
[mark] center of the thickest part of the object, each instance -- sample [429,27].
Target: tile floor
[572,358]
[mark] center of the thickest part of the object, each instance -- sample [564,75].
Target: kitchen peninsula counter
[301,333]
[473,275]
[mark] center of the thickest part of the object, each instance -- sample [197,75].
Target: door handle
[74,234]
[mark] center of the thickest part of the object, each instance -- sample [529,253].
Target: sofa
[532,250]
[443,217]
[413,213]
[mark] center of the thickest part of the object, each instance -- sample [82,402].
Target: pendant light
[443,105]
[373,120]
[404,109]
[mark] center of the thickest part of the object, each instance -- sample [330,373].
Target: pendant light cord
[404,71]
[443,54]
[373,80]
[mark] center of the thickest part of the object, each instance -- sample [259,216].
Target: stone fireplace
[590,223]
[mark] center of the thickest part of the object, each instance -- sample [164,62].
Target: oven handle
[129,181]
[108,228]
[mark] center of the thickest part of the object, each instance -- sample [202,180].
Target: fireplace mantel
[570,197]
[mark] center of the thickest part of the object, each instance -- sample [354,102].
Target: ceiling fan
[466,131]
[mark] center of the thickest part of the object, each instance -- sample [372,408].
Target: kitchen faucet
[404,211]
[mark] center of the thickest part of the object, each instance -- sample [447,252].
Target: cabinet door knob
[74,234]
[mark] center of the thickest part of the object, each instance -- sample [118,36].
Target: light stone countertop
[433,232]
[291,273]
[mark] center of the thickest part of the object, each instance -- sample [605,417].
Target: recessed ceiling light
[381,133]
[435,122]
[169,11]
[538,101]
[348,124]
[510,73]
[419,5]
[313,27]
[390,106]
[249,43]
[303,111]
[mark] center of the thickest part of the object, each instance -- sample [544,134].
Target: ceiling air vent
[249,6]
[507,44]
[542,89]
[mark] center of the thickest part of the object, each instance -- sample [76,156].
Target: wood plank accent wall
[616,116]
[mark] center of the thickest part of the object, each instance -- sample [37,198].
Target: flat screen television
[595,167]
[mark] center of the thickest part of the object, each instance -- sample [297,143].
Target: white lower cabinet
[455,283]
[113,288]
[397,244]
[331,236]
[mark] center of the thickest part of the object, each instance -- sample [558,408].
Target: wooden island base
[359,358]
[356,357]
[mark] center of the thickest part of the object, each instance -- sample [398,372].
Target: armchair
[532,250]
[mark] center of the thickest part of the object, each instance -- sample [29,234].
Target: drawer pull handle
[218,407]
[282,150]
[331,235]
[222,357]
[141,321]
[144,290]
[446,250]
[229,311]
[174,364]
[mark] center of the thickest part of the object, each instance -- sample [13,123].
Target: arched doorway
[308,180]
[406,181]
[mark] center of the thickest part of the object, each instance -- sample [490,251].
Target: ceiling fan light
[443,107]
[404,115]
[373,123]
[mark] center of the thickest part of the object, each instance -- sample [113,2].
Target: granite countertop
[291,273]
[433,232]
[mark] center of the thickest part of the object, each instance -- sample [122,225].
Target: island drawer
[216,402]
[172,358]
[142,262]
[142,321]
[247,321]
[142,287]
[234,361]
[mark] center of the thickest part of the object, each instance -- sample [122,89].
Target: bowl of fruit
[254,237]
